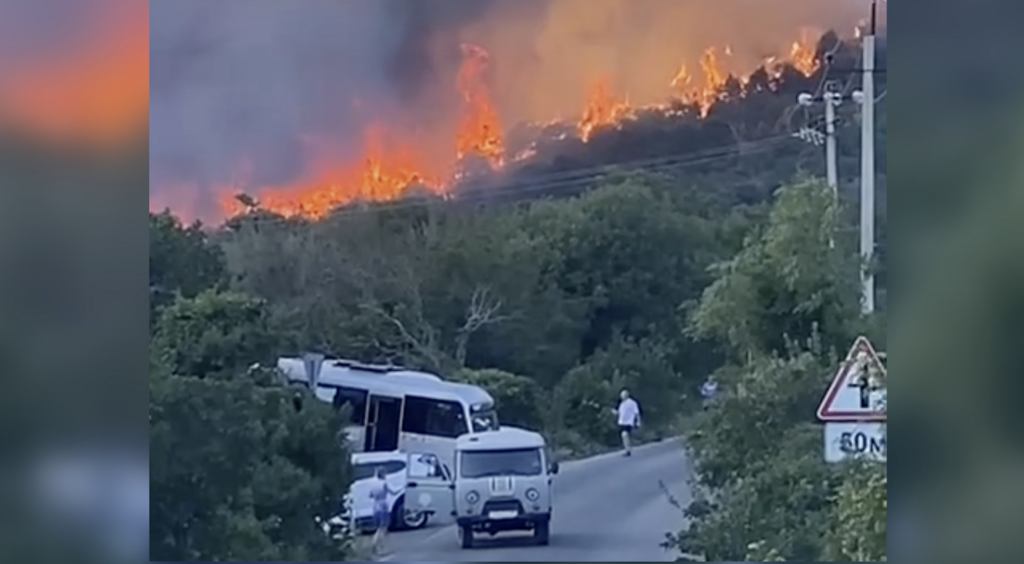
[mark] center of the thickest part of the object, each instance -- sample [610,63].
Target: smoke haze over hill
[265,95]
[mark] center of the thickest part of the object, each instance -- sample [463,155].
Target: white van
[503,483]
[394,408]
[422,481]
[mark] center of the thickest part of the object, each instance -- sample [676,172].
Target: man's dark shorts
[381,518]
[626,429]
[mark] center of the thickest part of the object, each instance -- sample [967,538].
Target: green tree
[518,399]
[781,309]
[216,334]
[240,465]
[585,398]
[762,402]
[182,260]
[788,283]
[860,517]
[237,474]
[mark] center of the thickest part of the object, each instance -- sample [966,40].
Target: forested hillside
[657,254]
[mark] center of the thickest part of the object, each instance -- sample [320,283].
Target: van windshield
[512,462]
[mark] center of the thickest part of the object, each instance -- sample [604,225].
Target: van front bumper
[523,521]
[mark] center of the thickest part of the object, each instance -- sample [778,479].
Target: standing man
[629,419]
[709,390]
[379,492]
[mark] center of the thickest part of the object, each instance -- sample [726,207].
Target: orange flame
[389,163]
[602,109]
[480,131]
[387,168]
[802,55]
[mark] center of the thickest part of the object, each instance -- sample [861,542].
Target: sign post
[855,406]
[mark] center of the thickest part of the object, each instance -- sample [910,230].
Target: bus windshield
[486,420]
[512,462]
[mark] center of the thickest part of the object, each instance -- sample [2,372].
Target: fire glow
[390,161]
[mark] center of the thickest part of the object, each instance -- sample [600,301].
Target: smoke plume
[248,93]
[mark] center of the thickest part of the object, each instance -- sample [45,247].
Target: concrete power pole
[832,100]
[866,98]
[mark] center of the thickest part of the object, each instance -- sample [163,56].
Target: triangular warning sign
[858,392]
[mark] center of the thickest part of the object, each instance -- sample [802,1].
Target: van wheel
[466,536]
[542,533]
[402,520]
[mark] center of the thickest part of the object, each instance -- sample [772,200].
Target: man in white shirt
[629,419]
[379,492]
[709,390]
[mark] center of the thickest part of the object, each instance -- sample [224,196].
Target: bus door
[383,423]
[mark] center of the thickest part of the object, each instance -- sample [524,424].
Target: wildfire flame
[803,57]
[602,109]
[390,164]
[480,131]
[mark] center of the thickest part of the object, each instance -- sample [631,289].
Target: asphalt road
[606,508]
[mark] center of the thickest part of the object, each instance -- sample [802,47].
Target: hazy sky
[244,85]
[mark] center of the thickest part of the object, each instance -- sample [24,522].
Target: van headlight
[472,497]
[532,494]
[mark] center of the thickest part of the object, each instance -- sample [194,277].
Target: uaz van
[503,483]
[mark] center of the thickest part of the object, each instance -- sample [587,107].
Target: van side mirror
[553,469]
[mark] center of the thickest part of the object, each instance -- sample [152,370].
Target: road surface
[606,508]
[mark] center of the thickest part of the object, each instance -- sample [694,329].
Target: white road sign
[858,391]
[855,439]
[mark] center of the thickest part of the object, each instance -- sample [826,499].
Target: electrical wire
[547,184]
[556,182]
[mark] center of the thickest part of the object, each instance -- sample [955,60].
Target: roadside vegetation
[633,277]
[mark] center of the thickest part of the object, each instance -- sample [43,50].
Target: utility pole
[866,98]
[832,99]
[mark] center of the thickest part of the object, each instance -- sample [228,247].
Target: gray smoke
[242,81]
[240,87]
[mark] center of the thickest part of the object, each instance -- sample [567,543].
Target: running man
[629,419]
[379,492]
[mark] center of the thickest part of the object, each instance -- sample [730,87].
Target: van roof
[504,438]
[380,456]
[384,380]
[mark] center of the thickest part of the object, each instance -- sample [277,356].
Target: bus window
[440,418]
[415,418]
[486,420]
[355,399]
[447,419]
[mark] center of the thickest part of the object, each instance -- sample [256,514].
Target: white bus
[397,409]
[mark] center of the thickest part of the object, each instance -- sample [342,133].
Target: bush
[518,399]
[240,466]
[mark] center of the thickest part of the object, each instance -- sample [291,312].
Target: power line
[551,184]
